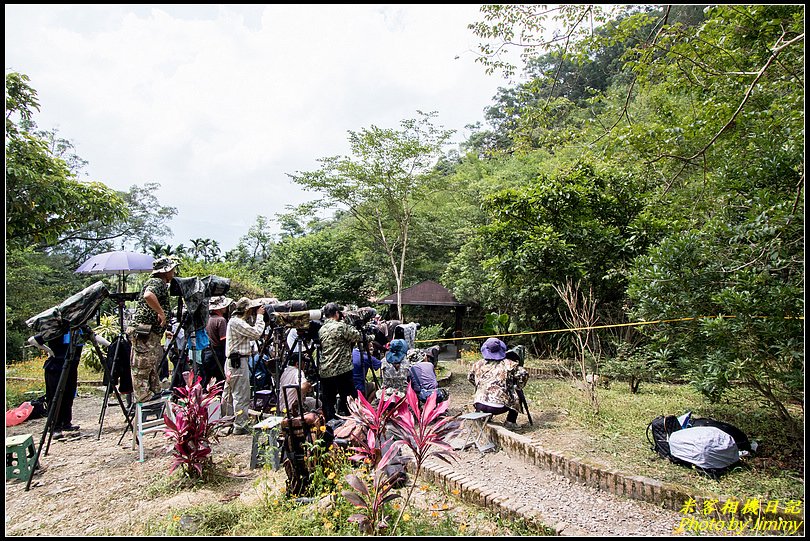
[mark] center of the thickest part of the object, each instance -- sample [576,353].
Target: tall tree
[389,174]
[43,198]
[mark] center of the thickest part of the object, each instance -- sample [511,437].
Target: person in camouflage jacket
[152,310]
[335,366]
[496,379]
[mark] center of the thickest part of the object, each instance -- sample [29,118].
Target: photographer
[335,369]
[213,356]
[149,323]
[246,325]
[57,349]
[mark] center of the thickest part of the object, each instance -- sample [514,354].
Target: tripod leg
[53,409]
[109,373]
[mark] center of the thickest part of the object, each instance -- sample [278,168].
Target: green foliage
[34,283]
[426,333]
[108,328]
[320,267]
[43,197]
[390,174]
[579,226]
[634,365]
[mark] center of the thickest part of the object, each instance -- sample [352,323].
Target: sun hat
[244,304]
[163,264]
[493,350]
[220,302]
[397,350]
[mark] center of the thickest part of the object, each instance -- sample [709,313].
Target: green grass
[619,434]
[18,392]
[278,515]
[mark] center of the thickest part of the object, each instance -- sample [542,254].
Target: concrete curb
[583,471]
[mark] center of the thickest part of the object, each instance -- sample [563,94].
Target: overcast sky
[218,103]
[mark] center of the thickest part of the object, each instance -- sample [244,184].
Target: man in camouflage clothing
[496,379]
[335,368]
[152,310]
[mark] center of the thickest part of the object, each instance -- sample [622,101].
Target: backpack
[710,450]
[658,432]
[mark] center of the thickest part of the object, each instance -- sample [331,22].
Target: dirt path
[97,487]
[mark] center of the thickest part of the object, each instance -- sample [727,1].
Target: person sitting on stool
[495,377]
[293,375]
[422,375]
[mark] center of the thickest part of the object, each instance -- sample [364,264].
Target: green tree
[43,198]
[390,173]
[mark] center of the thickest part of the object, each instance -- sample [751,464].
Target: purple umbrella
[119,262]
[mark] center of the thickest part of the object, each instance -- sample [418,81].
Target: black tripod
[364,348]
[120,299]
[53,409]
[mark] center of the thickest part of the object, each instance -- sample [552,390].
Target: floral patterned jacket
[495,382]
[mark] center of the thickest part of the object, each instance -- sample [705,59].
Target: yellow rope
[635,324]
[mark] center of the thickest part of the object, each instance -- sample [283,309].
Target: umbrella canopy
[117,262]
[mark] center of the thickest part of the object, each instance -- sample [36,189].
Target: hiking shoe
[58,435]
[510,426]
[240,431]
[70,428]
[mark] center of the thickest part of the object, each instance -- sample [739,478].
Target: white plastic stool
[143,426]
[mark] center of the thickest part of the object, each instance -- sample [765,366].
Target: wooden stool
[20,455]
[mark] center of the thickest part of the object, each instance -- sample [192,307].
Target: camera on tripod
[71,313]
[294,314]
[196,293]
[360,318]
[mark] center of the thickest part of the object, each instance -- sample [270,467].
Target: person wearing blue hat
[496,379]
[395,367]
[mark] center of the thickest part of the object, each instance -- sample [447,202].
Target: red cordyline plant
[191,432]
[371,447]
[423,430]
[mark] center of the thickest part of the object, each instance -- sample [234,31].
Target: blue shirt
[359,370]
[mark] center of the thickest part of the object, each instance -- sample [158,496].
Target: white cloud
[219,103]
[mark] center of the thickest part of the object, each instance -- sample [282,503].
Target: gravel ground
[98,487]
[570,508]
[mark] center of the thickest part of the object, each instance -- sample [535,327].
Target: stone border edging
[601,477]
[477,493]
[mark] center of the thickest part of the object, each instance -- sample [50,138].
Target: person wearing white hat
[213,357]
[245,326]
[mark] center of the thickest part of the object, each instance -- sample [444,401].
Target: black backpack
[658,432]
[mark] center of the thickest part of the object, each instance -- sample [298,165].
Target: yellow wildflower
[445,506]
[331,476]
[176,518]
[406,517]
[456,491]
[323,428]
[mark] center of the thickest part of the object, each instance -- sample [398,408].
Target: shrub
[191,432]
